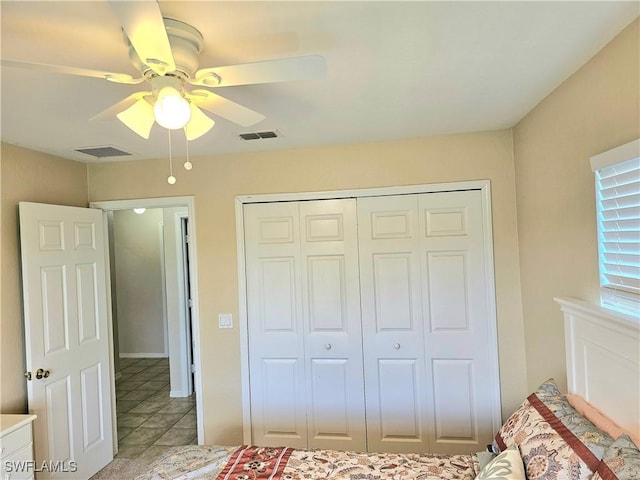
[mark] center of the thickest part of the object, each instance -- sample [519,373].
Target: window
[618,208]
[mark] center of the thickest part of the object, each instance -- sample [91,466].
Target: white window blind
[618,208]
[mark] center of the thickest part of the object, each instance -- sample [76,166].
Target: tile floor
[149,421]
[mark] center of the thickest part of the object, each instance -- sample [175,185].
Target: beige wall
[27,176]
[216,180]
[139,282]
[595,110]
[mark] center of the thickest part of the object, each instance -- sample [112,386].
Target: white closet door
[421,332]
[461,392]
[392,324]
[333,338]
[305,342]
[276,332]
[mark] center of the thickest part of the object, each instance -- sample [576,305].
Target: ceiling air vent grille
[102,152]
[258,135]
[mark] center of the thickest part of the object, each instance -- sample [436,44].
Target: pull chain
[171,179]
[187,165]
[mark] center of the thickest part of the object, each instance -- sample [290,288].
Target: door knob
[40,373]
[396,346]
[328,346]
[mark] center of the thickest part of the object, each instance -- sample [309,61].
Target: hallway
[149,421]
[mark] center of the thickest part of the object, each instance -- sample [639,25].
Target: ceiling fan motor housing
[186,45]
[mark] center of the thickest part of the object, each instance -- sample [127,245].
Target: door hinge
[190,303]
[193,368]
[187,238]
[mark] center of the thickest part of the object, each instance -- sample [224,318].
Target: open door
[67,338]
[188,303]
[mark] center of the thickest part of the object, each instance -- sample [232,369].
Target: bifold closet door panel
[331,312]
[305,341]
[392,324]
[275,328]
[457,334]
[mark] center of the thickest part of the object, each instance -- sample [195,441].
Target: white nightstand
[16,445]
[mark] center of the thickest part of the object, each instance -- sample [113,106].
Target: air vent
[102,152]
[258,135]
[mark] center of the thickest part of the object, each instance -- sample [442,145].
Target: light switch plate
[225,320]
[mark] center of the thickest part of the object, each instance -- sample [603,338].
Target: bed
[593,432]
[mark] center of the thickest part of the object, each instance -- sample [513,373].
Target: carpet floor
[122,469]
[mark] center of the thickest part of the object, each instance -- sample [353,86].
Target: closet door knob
[327,346]
[396,346]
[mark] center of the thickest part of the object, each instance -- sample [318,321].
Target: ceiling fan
[165,51]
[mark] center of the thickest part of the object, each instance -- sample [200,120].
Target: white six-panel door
[392,324]
[331,312]
[304,329]
[276,335]
[368,323]
[458,342]
[66,336]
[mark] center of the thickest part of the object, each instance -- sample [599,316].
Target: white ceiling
[394,69]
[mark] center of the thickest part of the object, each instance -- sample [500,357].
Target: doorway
[168,379]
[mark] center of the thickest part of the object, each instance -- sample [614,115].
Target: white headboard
[603,360]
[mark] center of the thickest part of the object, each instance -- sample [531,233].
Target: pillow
[621,461]
[599,419]
[506,466]
[555,441]
[484,458]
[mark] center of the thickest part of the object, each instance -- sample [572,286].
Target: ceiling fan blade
[198,125]
[82,72]
[269,71]
[122,105]
[143,24]
[225,108]
[138,117]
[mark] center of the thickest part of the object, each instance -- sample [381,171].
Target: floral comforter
[268,463]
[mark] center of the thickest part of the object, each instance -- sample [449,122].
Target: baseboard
[178,393]
[143,355]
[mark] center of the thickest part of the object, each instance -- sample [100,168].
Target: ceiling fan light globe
[171,110]
[138,117]
[198,125]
